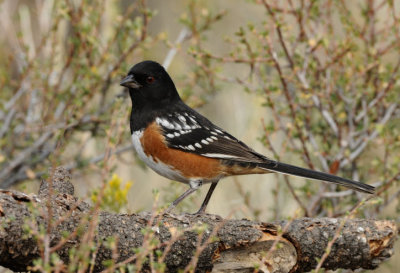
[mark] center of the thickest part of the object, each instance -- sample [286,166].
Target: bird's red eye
[150,79]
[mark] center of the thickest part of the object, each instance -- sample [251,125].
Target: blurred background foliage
[312,83]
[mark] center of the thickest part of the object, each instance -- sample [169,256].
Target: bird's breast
[174,164]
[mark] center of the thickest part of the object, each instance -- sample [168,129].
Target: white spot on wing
[210,139]
[204,141]
[164,122]
[214,133]
[214,155]
[176,134]
[177,126]
[170,135]
[182,118]
[197,145]
[214,137]
[190,147]
[182,132]
[193,120]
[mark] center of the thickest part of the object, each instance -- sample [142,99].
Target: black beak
[130,82]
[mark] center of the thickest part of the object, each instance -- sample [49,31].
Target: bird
[180,144]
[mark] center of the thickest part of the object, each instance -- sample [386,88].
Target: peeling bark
[239,245]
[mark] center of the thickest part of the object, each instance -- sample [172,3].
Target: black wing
[191,132]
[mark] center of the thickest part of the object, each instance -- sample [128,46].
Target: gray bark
[237,245]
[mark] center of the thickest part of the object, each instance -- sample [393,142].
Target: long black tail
[279,167]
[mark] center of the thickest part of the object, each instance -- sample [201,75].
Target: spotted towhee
[180,144]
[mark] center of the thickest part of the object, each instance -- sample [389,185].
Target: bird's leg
[194,185]
[207,199]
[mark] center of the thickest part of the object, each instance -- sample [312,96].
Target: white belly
[158,167]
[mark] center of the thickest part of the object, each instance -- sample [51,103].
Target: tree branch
[226,245]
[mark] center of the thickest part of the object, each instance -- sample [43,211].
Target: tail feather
[279,167]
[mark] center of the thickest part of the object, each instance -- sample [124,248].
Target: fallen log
[207,242]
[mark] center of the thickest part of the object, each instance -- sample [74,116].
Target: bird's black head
[149,84]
